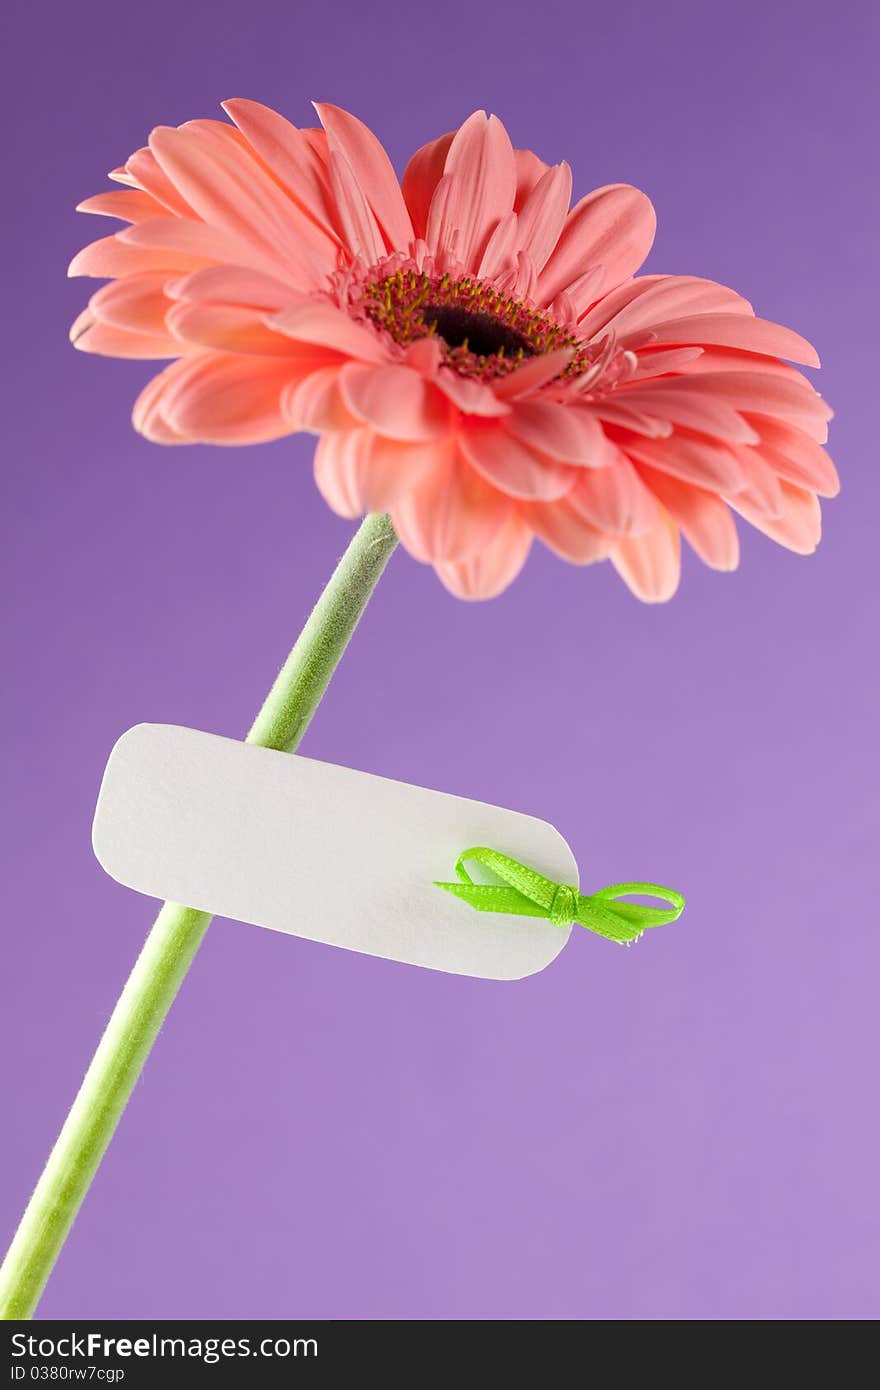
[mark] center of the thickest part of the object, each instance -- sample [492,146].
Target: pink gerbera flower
[479,360]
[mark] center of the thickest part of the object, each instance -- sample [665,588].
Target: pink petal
[396,469]
[373,171]
[615,410]
[708,464]
[229,188]
[568,433]
[582,293]
[452,514]
[143,169]
[396,401]
[320,322]
[360,229]
[513,466]
[712,360]
[729,330]
[795,456]
[564,531]
[800,525]
[471,397]
[297,162]
[444,217]
[651,564]
[534,373]
[358,472]
[340,471]
[543,214]
[232,284]
[529,171]
[421,176]
[612,227]
[229,400]
[762,489]
[823,481]
[128,204]
[481,157]
[490,571]
[424,355]
[112,258]
[90,335]
[137,303]
[769,394]
[663,361]
[652,299]
[147,416]
[196,241]
[121,175]
[683,401]
[315,404]
[501,248]
[231,328]
[704,518]
[614,499]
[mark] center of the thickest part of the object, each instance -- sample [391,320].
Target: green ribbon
[526,893]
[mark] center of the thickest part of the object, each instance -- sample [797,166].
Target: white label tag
[318,851]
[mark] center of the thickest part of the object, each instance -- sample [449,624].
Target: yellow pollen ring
[485,333]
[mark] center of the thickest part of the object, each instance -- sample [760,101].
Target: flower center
[484,333]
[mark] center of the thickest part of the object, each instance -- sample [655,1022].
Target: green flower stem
[173,941]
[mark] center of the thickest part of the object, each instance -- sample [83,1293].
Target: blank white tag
[318,851]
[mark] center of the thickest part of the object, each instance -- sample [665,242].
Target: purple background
[682,1131]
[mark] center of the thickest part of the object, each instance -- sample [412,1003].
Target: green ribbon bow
[526,893]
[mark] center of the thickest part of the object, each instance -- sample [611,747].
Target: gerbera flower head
[477,357]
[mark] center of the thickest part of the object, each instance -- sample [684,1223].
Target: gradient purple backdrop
[682,1131]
